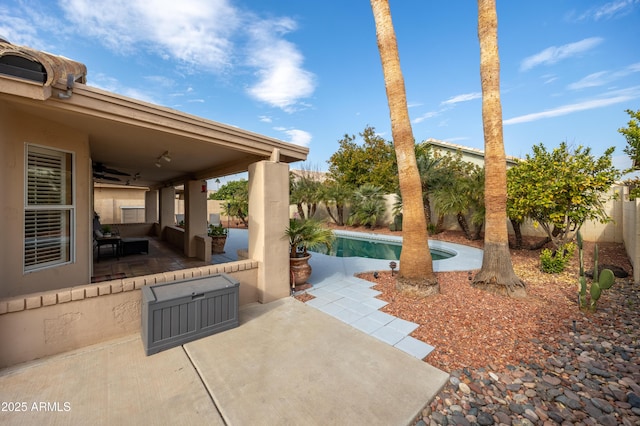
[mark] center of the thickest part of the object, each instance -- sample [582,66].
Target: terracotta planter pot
[217,244]
[300,269]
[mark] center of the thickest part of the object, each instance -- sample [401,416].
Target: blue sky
[308,72]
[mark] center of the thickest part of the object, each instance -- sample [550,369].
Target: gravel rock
[633,400]
[485,419]
[588,377]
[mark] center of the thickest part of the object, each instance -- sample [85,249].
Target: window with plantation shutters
[49,208]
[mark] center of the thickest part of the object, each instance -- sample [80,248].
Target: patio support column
[151,206]
[167,208]
[268,219]
[195,213]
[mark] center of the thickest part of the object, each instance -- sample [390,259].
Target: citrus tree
[236,199]
[632,134]
[229,189]
[560,189]
[373,161]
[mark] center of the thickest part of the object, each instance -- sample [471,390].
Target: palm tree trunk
[462,221]
[497,274]
[427,209]
[440,223]
[330,213]
[477,230]
[416,266]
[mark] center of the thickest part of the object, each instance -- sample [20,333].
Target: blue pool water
[371,249]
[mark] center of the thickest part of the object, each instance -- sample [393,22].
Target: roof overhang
[130,135]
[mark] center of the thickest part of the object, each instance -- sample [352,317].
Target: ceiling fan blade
[101,176]
[115,172]
[101,169]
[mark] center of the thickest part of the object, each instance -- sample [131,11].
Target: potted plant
[106,230]
[218,236]
[304,235]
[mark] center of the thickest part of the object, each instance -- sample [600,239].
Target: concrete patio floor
[287,363]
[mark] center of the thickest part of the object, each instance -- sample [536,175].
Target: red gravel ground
[471,328]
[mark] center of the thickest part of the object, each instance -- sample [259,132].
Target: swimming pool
[372,248]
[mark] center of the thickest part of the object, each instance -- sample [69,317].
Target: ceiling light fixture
[165,156]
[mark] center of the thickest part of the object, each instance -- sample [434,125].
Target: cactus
[595,263]
[601,281]
[606,279]
[582,280]
[582,292]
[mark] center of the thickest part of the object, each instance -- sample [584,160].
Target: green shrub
[553,262]
[368,206]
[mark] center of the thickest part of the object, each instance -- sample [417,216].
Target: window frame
[66,208]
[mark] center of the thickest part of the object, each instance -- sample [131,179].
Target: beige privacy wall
[43,324]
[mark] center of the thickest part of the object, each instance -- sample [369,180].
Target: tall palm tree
[336,195]
[416,266]
[496,274]
[427,164]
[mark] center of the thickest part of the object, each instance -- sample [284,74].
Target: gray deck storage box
[181,311]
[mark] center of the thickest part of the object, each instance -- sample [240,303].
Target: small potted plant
[106,230]
[218,235]
[304,235]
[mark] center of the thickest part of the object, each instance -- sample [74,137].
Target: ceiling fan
[105,177]
[100,171]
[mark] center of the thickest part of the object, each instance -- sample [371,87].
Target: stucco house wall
[17,129]
[108,201]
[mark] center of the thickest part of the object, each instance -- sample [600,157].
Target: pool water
[371,249]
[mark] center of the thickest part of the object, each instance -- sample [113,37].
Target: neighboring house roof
[477,155]
[131,135]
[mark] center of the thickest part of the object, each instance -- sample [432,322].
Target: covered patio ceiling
[130,136]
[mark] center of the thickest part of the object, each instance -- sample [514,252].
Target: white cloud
[448,104]
[110,84]
[161,81]
[611,98]
[297,136]
[196,32]
[611,10]
[462,98]
[592,80]
[15,30]
[265,119]
[201,36]
[554,54]
[282,81]
[425,116]
[604,77]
